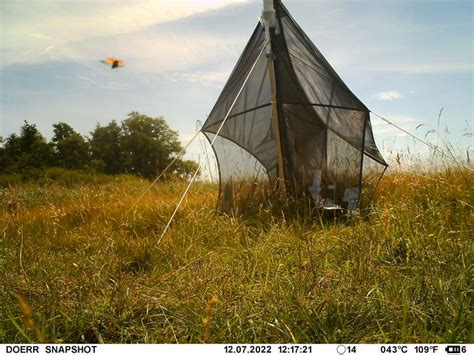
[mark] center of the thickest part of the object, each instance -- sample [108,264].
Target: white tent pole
[269,13]
[269,21]
[210,146]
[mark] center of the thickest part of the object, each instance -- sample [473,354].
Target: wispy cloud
[215,79]
[397,119]
[384,129]
[388,95]
[428,68]
[42,30]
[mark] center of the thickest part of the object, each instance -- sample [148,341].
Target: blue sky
[404,59]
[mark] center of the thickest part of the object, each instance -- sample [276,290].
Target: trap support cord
[211,144]
[429,145]
[161,174]
[404,130]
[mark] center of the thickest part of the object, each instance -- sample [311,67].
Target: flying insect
[114,63]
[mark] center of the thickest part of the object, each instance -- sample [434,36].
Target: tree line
[139,145]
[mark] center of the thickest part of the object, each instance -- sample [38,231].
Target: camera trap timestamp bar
[218,349]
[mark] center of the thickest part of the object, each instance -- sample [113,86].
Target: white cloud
[44,30]
[388,95]
[156,51]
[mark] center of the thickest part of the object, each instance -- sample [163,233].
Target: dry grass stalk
[28,322]
[207,319]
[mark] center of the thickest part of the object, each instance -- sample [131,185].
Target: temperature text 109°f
[426,349]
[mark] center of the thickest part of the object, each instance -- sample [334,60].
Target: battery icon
[453,349]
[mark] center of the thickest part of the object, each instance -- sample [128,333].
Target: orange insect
[115,63]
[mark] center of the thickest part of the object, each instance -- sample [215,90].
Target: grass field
[76,269]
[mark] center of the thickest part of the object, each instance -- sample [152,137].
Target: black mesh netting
[326,147]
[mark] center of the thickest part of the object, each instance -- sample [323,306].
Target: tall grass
[401,272]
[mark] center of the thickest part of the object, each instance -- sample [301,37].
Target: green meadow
[76,267]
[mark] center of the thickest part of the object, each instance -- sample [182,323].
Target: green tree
[71,149]
[26,151]
[106,147]
[148,144]
[185,168]
[3,156]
